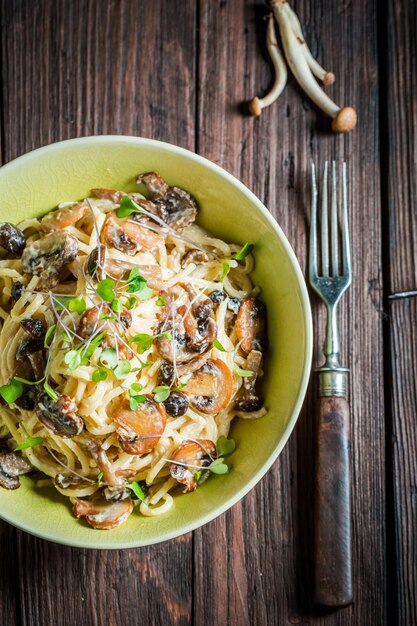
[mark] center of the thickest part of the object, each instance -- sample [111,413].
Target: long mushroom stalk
[344,119]
[257,104]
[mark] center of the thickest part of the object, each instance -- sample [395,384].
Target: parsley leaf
[29,442]
[127,207]
[243,252]
[243,373]
[77,305]
[137,490]
[219,346]
[99,374]
[49,335]
[105,289]
[12,391]
[161,393]
[225,446]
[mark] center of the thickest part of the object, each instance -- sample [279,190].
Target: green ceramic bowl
[35,183]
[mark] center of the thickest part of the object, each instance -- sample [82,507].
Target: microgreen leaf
[135,388]
[105,316]
[243,252]
[12,391]
[116,306]
[161,393]
[130,302]
[93,345]
[28,382]
[181,386]
[225,446]
[99,374]
[105,289]
[49,335]
[145,293]
[219,346]
[136,284]
[51,393]
[73,359]
[122,368]
[225,270]
[198,475]
[243,373]
[61,302]
[134,401]
[77,305]
[143,342]
[137,490]
[127,207]
[219,467]
[29,442]
[99,477]
[109,357]
[161,301]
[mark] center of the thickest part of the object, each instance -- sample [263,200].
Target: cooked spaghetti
[130,338]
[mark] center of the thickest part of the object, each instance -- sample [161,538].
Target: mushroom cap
[329,79]
[345,120]
[255,107]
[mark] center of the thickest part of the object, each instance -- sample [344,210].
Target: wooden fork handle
[333,561]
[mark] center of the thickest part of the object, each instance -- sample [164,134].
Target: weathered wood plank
[403,320]
[270,583]
[9,588]
[74,68]
[400,188]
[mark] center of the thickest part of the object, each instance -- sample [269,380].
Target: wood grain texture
[74,68]
[332,520]
[400,189]
[272,155]
[403,322]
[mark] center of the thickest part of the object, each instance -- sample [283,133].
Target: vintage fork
[330,276]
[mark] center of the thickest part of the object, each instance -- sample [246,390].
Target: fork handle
[333,567]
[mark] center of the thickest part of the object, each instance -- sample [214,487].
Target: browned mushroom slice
[108,194]
[129,236]
[211,388]
[196,256]
[33,340]
[250,324]
[103,462]
[250,401]
[119,269]
[177,207]
[92,320]
[188,458]
[11,238]
[60,415]
[47,256]
[12,465]
[62,218]
[101,514]
[139,431]
[95,262]
[67,481]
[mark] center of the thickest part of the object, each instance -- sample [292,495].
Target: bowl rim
[308,328]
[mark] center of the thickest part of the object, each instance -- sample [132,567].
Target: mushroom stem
[326,77]
[257,104]
[344,119]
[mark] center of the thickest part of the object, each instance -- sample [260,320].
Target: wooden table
[179,71]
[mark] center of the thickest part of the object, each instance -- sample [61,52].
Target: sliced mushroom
[250,401]
[11,238]
[47,256]
[196,256]
[116,493]
[67,481]
[250,324]
[95,262]
[17,291]
[188,458]
[62,218]
[60,415]
[193,330]
[211,388]
[90,322]
[33,340]
[119,269]
[139,431]
[177,207]
[12,465]
[103,462]
[108,194]
[101,514]
[129,236]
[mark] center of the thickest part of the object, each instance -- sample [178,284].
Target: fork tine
[345,229]
[325,223]
[313,226]
[334,241]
